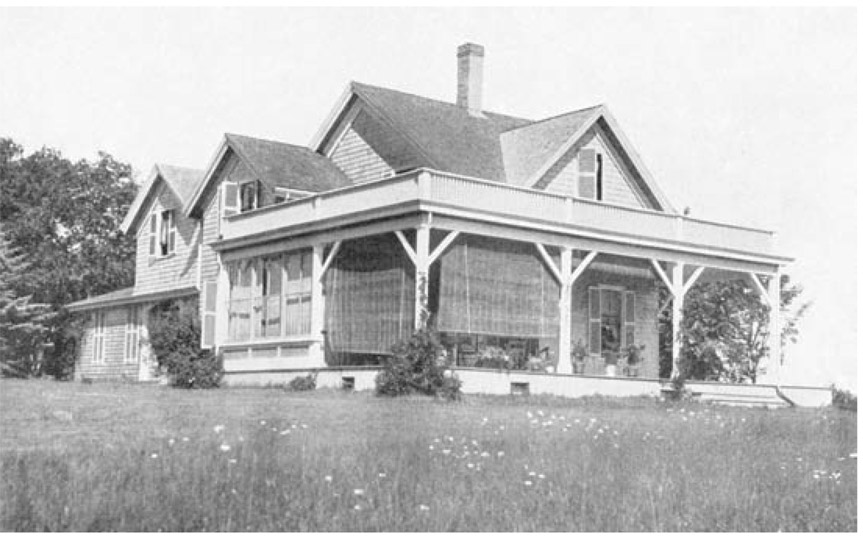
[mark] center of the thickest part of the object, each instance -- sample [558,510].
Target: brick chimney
[470,57]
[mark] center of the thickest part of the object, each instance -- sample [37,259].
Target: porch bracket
[447,241]
[662,275]
[330,257]
[582,267]
[765,297]
[550,263]
[407,246]
[692,278]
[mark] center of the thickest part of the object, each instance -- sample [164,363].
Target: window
[590,174]
[99,337]
[611,325]
[270,297]
[163,233]
[249,194]
[132,334]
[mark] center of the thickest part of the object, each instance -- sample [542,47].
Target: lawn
[146,458]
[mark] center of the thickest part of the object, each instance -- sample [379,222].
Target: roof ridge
[355,83]
[270,140]
[555,117]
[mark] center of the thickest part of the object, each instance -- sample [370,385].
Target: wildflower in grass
[284,432]
[185,439]
[529,414]
[437,440]
[359,492]
[431,447]
[357,507]
[424,508]
[446,451]
[303,426]
[470,465]
[540,413]
[484,455]
[528,483]
[500,454]
[542,476]
[328,478]
[224,447]
[382,475]
[219,428]
[263,423]
[532,473]
[240,439]
[171,442]
[743,419]
[232,461]
[154,456]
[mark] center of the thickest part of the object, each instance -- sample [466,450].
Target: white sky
[747,116]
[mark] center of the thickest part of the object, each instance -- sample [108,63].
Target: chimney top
[470,58]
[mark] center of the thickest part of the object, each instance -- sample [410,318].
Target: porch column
[774,337]
[564,365]
[678,292]
[316,349]
[421,263]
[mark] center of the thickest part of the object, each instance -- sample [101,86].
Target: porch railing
[452,192]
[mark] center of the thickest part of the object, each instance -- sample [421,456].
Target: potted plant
[577,356]
[610,363]
[632,355]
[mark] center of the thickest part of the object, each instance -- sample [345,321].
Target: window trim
[98,355]
[256,190]
[132,340]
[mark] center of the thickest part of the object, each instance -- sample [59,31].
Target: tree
[22,323]
[66,216]
[725,330]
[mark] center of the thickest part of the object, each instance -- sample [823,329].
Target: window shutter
[208,324]
[594,321]
[230,199]
[628,319]
[172,231]
[153,226]
[587,173]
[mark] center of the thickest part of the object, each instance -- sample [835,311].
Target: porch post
[564,366]
[677,291]
[774,337]
[316,349]
[422,269]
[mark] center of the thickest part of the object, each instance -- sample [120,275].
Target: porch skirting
[497,382]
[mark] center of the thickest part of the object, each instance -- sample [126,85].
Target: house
[522,240]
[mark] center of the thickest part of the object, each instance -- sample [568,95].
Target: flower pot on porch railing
[632,356]
[610,363]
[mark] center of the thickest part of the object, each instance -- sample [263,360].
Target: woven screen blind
[496,287]
[369,291]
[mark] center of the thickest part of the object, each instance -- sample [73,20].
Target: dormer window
[281,195]
[163,233]
[589,174]
[249,196]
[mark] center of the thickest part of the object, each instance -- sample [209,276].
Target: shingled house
[526,242]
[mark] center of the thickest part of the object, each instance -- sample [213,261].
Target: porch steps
[761,398]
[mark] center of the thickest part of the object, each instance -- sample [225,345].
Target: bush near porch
[134,458]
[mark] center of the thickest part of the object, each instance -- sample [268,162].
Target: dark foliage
[303,383]
[174,328]
[844,399]
[66,217]
[418,366]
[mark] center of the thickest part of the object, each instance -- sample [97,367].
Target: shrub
[418,366]
[301,383]
[175,336]
[844,399]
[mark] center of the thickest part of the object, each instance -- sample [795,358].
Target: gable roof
[274,163]
[445,135]
[526,149]
[180,180]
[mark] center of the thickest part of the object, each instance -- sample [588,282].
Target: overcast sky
[747,116]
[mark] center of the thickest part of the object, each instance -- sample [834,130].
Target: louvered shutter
[594,321]
[628,319]
[208,323]
[587,173]
[230,199]
[153,226]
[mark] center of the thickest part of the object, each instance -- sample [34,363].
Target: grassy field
[145,458]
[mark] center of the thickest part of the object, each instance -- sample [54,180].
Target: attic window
[163,233]
[589,174]
[249,194]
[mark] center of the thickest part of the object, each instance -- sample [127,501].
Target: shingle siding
[178,270]
[617,187]
[114,365]
[358,160]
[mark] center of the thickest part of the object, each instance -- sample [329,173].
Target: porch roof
[127,296]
